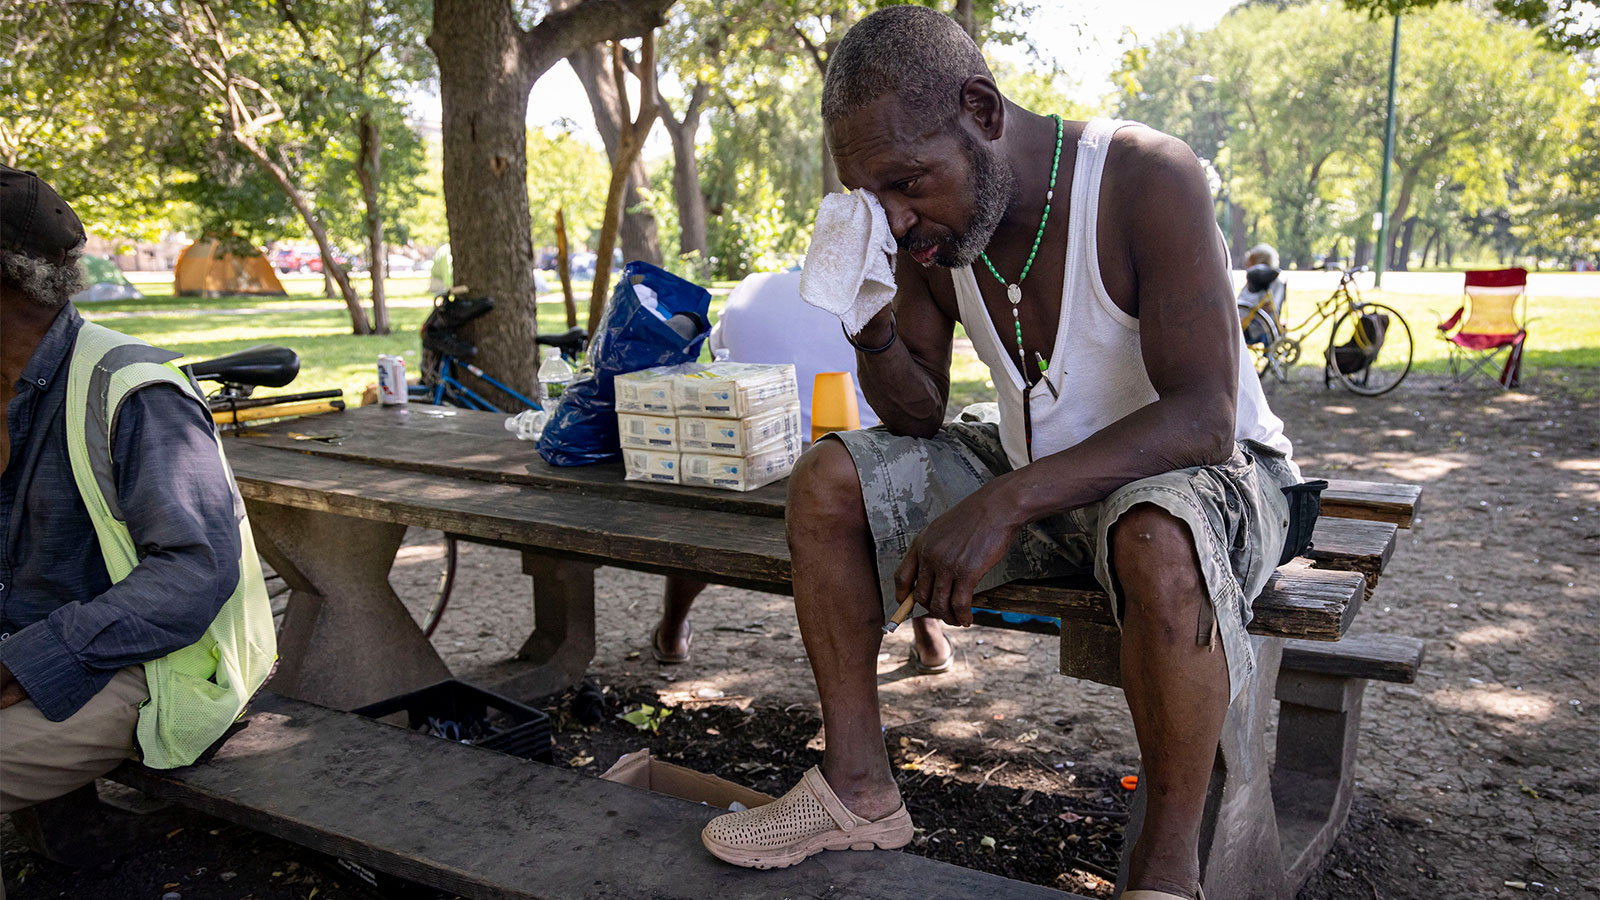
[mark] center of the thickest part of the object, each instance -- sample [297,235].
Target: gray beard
[993,182]
[45,283]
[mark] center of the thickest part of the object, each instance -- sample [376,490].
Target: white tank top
[1095,365]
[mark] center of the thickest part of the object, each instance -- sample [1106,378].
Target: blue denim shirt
[65,629]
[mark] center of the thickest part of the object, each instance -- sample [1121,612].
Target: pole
[1382,256]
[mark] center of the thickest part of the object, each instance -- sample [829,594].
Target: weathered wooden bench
[330,516]
[492,827]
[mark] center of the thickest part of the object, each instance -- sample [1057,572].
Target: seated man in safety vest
[133,617]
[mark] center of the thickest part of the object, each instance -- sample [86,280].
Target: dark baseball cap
[34,219]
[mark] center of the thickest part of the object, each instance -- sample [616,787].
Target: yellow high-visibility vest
[198,691]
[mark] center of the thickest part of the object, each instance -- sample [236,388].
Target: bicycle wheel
[1260,334]
[1280,355]
[1370,350]
[447,583]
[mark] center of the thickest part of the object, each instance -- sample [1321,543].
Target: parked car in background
[288,260]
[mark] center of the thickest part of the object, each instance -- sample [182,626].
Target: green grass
[1565,331]
[1562,332]
[330,356]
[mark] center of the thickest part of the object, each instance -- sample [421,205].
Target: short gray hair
[44,282]
[919,54]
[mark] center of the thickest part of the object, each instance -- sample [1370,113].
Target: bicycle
[454,352]
[239,374]
[1369,350]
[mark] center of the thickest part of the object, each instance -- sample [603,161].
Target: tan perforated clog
[806,821]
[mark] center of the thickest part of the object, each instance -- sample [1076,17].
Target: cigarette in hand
[901,614]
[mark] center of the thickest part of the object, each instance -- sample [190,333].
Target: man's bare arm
[908,384]
[1190,340]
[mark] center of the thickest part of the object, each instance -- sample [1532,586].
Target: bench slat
[492,827]
[1315,604]
[715,546]
[1353,545]
[1376,657]
[1395,503]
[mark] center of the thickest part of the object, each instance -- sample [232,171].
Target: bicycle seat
[267,365]
[570,341]
[455,310]
[1260,276]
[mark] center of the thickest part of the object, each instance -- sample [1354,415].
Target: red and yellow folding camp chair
[1487,324]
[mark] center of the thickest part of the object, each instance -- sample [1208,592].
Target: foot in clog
[806,821]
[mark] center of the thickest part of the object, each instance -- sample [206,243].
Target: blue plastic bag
[583,428]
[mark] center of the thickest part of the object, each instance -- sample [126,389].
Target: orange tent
[207,269]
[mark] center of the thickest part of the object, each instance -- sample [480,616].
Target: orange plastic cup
[833,404]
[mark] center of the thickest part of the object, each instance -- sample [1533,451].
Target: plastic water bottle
[528,425]
[554,376]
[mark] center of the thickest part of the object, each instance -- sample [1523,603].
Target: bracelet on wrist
[894,335]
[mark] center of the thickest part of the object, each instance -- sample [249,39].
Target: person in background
[133,616]
[765,321]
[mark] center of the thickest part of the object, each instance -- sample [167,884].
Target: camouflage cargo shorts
[1236,513]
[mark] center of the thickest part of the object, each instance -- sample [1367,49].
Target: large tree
[1567,24]
[639,233]
[630,144]
[1475,99]
[488,62]
[1295,123]
[230,69]
[1276,117]
[204,91]
[361,56]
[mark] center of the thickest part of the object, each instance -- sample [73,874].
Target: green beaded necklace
[1014,289]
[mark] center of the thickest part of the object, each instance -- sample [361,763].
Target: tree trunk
[487,66]
[564,268]
[368,170]
[602,259]
[484,86]
[640,236]
[330,267]
[686,174]
[1433,240]
[1403,260]
[1402,205]
[963,14]
[629,143]
[1363,252]
[1240,236]
[830,175]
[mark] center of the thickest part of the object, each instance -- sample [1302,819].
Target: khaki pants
[41,760]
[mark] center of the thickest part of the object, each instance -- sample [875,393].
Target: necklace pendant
[1014,293]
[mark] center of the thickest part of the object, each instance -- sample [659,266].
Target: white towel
[849,268]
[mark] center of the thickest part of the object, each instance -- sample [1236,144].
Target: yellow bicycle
[1369,349]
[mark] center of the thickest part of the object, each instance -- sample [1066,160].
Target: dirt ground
[1481,780]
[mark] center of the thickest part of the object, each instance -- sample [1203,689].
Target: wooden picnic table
[329,515]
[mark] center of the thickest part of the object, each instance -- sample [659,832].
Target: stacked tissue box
[725,425]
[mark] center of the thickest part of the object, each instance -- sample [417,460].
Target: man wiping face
[896,130]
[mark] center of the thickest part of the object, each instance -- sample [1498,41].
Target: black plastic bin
[458,711]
